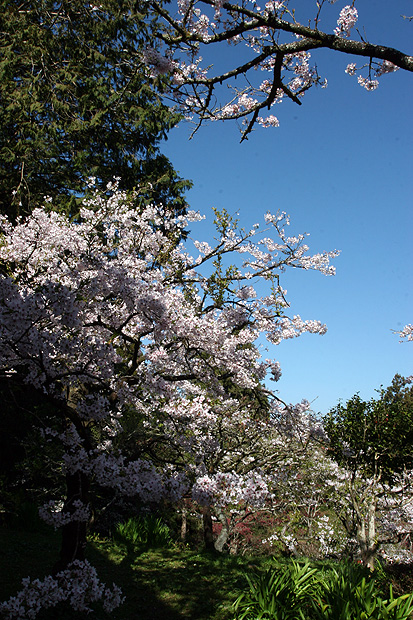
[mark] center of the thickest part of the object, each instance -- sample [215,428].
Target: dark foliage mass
[75,103]
[377,435]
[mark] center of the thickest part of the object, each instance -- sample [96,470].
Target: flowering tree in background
[107,315]
[232,454]
[324,509]
[277,39]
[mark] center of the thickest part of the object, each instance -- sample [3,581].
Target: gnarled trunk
[184,521]
[225,531]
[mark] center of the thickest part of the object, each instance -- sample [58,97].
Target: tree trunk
[184,521]
[73,533]
[366,536]
[207,522]
[224,533]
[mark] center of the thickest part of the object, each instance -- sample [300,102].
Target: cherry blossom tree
[232,455]
[108,314]
[350,492]
[276,41]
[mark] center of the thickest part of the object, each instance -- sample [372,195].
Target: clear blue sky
[341,166]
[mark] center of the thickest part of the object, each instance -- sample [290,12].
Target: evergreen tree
[75,104]
[373,441]
[374,437]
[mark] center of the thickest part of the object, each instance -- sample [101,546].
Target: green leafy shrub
[298,591]
[281,593]
[351,593]
[149,532]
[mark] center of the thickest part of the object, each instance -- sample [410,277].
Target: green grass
[159,584]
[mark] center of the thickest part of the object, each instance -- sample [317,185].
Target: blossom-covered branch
[273,40]
[406,333]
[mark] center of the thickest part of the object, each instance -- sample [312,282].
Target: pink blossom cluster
[226,488]
[52,513]
[351,68]
[386,67]
[393,554]
[300,65]
[160,64]
[78,584]
[268,121]
[368,83]
[198,22]
[406,332]
[379,69]
[187,71]
[346,21]
[273,6]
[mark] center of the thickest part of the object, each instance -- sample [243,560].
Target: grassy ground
[164,584]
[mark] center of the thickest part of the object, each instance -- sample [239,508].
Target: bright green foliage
[149,532]
[281,593]
[298,591]
[75,103]
[374,437]
[350,592]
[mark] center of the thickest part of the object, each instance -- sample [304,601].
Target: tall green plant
[298,591]
[351,593]
[149,531]
[281,593]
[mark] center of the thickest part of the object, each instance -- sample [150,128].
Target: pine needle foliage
[75,103]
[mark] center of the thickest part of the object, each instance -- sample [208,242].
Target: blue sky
[340,165]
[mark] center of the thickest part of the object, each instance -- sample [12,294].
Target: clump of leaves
[299,591]
[352,592]
[281,593]
[148,532]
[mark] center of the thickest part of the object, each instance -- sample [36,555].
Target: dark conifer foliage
[74,103]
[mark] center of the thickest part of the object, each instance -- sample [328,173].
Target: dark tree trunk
[207,522]
[74,533]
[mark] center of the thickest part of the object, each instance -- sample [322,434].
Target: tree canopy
[375,436]
[75,104]
[95,320]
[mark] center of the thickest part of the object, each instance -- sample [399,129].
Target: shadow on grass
[170,584]
[24,554]
[159,584]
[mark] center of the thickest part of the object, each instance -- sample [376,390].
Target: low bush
[148,532]
[299,591]
[283,593]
